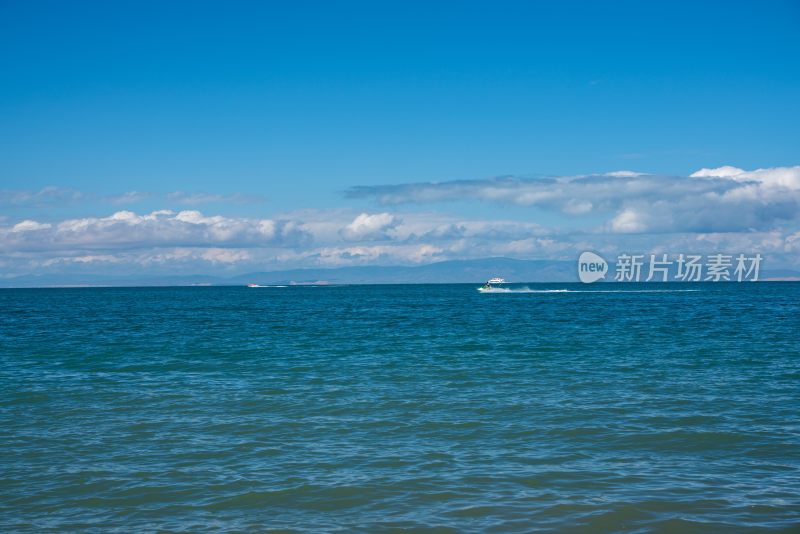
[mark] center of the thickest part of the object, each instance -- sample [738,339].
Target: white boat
[489,285]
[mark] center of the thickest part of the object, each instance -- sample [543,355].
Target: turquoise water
[378,408]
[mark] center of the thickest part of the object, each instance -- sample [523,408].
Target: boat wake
[529,290]
[521,290]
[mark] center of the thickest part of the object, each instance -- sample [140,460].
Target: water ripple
[401,408]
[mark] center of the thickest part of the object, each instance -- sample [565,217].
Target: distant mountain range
[454,271]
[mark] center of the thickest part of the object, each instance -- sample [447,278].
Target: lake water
[631,407]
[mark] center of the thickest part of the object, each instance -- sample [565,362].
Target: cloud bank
[165,228]
[724,209]
[725,199]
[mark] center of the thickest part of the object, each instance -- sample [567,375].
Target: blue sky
[276,111]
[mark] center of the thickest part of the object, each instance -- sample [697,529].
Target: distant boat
[489,285]
[254,285]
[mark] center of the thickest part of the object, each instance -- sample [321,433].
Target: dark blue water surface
[375,408]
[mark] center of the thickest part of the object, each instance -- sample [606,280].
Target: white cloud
[376,254]
[85,259]
[714,210]
[164,228]
[368,227]
[600,192]
[225,255]
[773,178]
[628,221]
[167,239]
[792,243]
[725,171]
[30,226]
[578,207]
[710,200]
[538,246]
